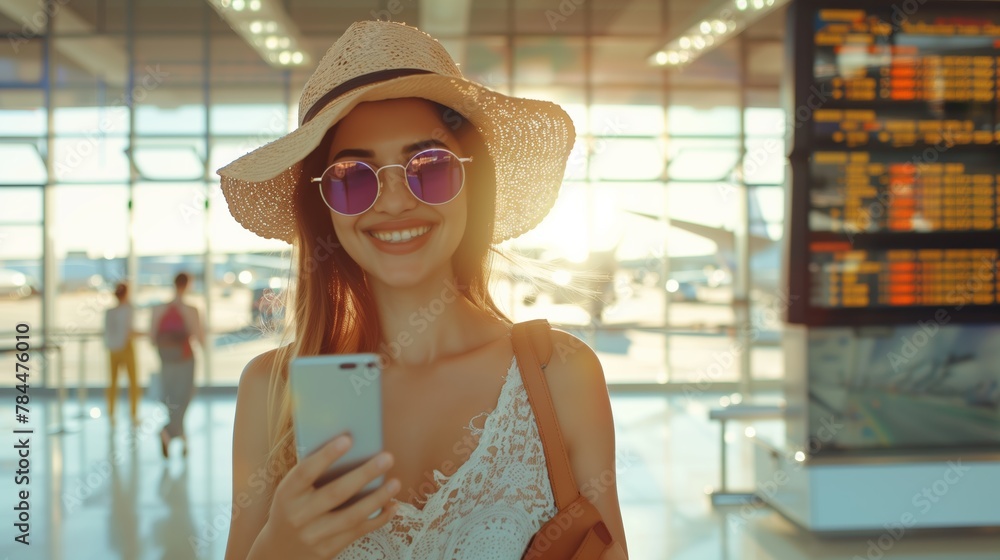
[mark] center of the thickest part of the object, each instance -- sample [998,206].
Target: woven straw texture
[529,140]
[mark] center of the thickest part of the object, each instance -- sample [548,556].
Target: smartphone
[338,394]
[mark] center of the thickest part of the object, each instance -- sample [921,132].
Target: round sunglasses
[434,176]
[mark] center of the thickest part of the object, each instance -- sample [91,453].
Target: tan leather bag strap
[533,348]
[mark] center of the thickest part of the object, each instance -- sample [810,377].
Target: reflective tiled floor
[100,493]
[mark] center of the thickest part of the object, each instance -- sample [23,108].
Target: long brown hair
[334,310]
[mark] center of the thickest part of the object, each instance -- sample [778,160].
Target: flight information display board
[903,277]
[862,191]
[895,162]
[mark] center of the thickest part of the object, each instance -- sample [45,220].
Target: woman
[372,260]
[172,326]
[118,336]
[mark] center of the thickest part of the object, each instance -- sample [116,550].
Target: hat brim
[529,141]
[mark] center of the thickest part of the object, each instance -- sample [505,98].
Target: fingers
[338,491]
[302,476]
[333,545]
[369,525]
[353,521]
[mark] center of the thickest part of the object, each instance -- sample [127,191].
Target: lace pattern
[489,508]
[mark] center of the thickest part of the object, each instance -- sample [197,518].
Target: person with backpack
[172,327]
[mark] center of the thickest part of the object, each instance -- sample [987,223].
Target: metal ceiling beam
[101,56]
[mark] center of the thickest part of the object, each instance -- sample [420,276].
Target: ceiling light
[725,19]
[267,27]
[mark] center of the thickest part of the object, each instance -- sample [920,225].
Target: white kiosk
[892,349]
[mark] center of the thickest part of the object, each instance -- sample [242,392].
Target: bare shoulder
[256,375]
[583,408]
[251,422]
[574,366]
[579,392]
[250,451]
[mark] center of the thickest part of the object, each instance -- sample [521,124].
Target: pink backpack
[173,336]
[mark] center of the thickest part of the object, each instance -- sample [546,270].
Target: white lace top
[489,508]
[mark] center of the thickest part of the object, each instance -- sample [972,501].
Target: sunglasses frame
[461,162]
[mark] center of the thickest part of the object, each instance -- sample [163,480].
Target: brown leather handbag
[576,532]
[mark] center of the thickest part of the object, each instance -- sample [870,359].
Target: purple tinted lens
[350,187]
[435,176]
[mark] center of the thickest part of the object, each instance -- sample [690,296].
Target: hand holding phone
[310,522]
[333,395]
[334,494]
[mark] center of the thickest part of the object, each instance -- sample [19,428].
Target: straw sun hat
[528,140]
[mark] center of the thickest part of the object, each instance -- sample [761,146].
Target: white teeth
[400,236]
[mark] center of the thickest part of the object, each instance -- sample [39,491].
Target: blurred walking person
[172,327]
[118,339]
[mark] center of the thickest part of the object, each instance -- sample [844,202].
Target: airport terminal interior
[778,228]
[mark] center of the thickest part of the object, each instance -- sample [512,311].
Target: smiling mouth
[399,235]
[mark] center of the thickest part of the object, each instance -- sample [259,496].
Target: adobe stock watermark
[34,26]
[961,296]
[593,489]
[86,486]
[324,249]
[911,345]
[610,127]
[923,501]
[392,9]
[755,159]
[88,311]
[828,430]
[965,293]
[902,11]
[879,207]
[563,12]
[420,320]
[210,531]
[721,361]
[86,146]
[555,529]
[277,125]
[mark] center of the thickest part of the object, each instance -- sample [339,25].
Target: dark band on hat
[356,82]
